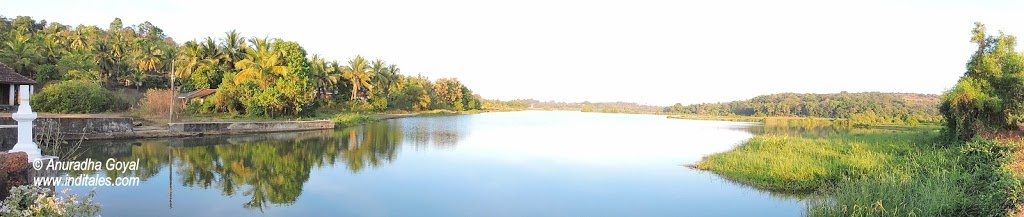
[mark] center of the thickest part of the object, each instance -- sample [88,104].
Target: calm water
[494,164]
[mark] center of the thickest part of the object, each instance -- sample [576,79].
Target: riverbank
[868,172]
[100,126]
[353,119]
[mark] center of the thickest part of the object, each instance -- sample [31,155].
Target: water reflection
[491,164]
[268,169]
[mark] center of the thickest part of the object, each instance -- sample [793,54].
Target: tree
[233,48]
[21,54]
[358,74]
[988,97]
[261,64]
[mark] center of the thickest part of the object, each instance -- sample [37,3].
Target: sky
[644,51]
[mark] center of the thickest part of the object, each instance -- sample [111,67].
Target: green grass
[877,172]
[352,119]
[718,118]
[343,120]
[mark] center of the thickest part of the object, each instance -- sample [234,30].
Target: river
[530,163]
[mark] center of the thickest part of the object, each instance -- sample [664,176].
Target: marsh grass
[877,172]
[352,119]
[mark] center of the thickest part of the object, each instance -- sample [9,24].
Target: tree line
[859,108]
[585,106]
[252,75]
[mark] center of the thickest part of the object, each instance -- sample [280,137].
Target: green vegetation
[916,172]
[989,97]
[352,119]
[877,172]
[796,163]
[74,96]
[870,108]
[39,201]
[253,77]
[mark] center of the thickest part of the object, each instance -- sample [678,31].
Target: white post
[25,116]
[10,98]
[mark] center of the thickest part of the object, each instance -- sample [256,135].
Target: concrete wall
[72,128]
[8,137]
[249,127]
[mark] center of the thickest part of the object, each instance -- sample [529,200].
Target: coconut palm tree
[233,48]
[325,75]
[261,63]
[187,60]
[20,53]
[358,73]
[146,57]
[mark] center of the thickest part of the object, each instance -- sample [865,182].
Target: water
[493,164]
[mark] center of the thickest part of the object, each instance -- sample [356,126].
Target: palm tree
[20,53]
[261,63]
[187,60]
[358,73]
[148,58]
[325,74]
[233,48]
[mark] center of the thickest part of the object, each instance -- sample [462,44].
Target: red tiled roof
[8,76]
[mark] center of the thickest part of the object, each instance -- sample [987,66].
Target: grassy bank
[353,119]
[877,172]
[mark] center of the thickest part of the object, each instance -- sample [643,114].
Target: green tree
[358,73]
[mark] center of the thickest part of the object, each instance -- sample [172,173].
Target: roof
[197,94]
[8,76]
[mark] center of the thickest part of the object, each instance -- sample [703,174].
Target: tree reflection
[369,145]
[268,169]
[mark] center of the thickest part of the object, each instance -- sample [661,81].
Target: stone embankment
[102,128]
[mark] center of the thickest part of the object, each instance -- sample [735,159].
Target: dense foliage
[253,76]
[860,108]
[39,201]
[75,96]
[990,94]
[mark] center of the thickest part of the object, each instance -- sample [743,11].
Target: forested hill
[867,107]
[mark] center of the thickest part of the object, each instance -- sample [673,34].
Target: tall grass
[877,172]
[352,119]
[155,105]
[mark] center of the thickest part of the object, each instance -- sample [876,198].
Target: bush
[123,99]
[39,201]
[155,103]
[351,119]
[72,97]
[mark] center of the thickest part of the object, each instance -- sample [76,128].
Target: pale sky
[651,52]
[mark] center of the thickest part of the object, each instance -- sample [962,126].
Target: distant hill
[867,107]
[607,107]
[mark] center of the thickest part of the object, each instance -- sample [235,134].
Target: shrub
[155,103]
[72,97]
[123,99]
[39,201]
[351,119]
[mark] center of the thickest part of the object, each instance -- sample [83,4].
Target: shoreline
[230,127]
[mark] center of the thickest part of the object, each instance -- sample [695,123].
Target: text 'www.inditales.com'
[88,172]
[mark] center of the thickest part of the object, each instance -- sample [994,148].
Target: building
[196,96]
[9,82]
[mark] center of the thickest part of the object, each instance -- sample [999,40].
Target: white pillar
[25,116]
[13,92]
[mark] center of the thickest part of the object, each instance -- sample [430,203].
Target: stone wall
[70,127]
[8,136]
[249,127]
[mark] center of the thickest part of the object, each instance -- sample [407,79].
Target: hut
[10,81]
